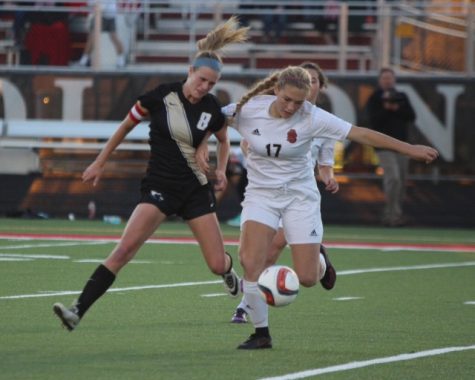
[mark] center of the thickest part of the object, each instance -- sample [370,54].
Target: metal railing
[432,36]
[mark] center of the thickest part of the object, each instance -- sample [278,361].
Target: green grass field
[167,317]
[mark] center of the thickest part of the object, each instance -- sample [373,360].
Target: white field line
[370,362]
[49,245]
[14,259]
[210,295]
[102,260]
[347,298]
[412,267]
[112,290]
[20,256]
[176,285]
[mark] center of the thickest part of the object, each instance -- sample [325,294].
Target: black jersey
[177,127]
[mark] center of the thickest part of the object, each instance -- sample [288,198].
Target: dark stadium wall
[444,106]
[438,194]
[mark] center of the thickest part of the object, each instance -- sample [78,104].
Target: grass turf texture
[176,333]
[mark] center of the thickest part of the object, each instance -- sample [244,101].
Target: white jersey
[108,8]
[322,151]
[279,148]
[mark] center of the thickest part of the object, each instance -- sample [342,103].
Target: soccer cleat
[329,278]
[255,342]
[231,282]
[69,317]
[239,316]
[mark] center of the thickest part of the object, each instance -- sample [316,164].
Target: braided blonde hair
[292,75]
[224,34]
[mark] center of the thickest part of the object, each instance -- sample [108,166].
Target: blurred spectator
[109,13]
[42,33]
[274,22]
[390,112]
[326,23]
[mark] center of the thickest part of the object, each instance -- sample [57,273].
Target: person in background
[390,112]
[41,33]
[274,22]
[109,13]
[181,115]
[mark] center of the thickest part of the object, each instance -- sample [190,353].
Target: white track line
[113,290]
[413,267]
[370,362]
[343,273]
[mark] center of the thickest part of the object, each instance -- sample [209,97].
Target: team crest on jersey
[292,136]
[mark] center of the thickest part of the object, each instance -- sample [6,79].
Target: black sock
[95,287]
[262,331]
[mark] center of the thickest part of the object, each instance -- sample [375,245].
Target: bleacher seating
[168,41]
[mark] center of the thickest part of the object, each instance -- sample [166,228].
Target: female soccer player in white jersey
[322,155]
[279,129]
[181,114]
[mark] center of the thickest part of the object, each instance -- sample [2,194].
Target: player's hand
[332,186]
[93,173]
[202,157]
[423,153]
[221,180]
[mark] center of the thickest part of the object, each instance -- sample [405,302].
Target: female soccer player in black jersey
[180,114]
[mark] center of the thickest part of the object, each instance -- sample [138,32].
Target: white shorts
[298,205]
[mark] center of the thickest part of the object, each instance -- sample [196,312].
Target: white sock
[256,307]
[323,267]
[84,59]
[120,60]
[243,304]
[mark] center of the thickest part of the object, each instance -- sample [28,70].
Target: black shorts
[188,205]
[108,24]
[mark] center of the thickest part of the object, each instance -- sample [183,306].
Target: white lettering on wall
[73,90]
[438,134]
[13,102]
[342,106]
[233,89]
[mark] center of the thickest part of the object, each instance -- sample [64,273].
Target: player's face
[315,88]
[200,82]
[289,100]
[387,80]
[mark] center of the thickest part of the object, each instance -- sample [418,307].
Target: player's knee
[307,280]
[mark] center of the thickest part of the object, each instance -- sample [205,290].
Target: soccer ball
[278,285]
